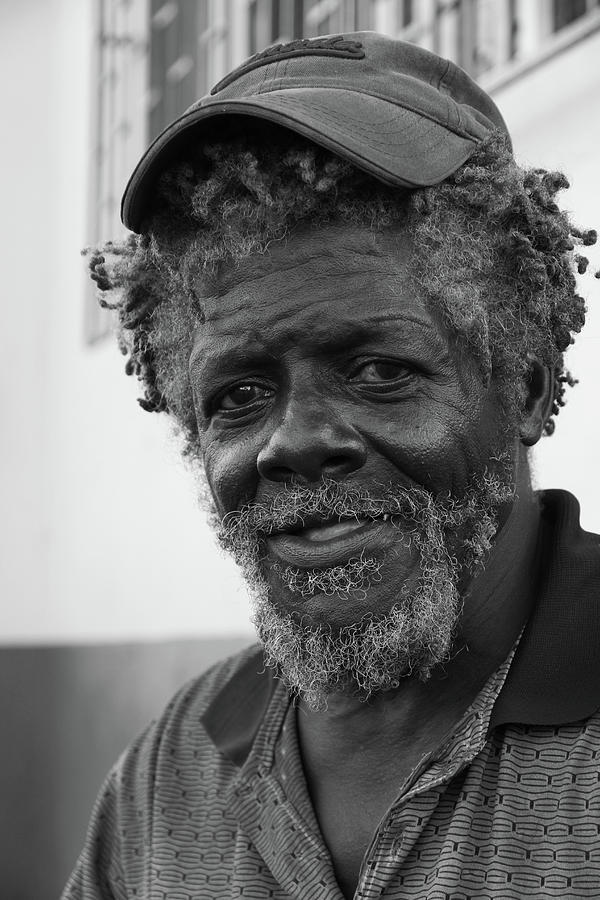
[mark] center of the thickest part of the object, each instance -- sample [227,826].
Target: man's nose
[311,442]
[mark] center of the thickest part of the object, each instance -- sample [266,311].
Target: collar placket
[295,856]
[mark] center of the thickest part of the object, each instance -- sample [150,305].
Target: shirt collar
[554,678]
[555,675]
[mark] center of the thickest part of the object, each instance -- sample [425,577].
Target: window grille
[336,16]
[174,26]
[404,13]
[566,11]
[119,128]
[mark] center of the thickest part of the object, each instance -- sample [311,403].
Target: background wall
[90,480]
[113,590]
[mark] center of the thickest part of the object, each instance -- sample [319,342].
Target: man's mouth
[327,543]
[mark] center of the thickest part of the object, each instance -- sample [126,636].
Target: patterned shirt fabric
[211,801]
[511,815]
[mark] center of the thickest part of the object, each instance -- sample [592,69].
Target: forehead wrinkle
[248,293]
[311,315]
[259,267]
[283,331]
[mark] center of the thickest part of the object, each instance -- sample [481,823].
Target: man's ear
[538,403]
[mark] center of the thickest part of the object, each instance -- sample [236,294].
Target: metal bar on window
[252,27]
[513,29]
[566,11]
[275,20]
[298,19]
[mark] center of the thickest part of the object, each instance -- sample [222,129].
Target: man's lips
[332,543]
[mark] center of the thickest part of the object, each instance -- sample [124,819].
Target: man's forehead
[333,250]
[332,288]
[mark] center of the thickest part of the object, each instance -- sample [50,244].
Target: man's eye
[379,371]
[243,395]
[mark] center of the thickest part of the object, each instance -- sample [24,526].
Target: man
[355,306]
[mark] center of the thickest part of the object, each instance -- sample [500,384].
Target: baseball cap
[395,110]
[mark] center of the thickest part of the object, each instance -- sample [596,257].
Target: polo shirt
[211,801]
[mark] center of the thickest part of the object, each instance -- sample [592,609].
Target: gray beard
[451,537]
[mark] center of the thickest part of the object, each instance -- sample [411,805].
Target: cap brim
[395,144]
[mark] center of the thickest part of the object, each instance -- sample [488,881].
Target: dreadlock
[493,252]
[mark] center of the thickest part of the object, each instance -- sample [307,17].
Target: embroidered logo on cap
[327,46]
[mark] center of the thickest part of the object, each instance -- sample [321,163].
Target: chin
[316,659]
[343,597]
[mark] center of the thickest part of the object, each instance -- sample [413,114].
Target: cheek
[434,454]
[439,445]
[231,472]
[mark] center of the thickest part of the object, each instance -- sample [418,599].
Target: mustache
[296,506]
[420,515]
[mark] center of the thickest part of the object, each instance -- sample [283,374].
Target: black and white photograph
[301,466]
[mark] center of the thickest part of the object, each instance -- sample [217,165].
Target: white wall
[101,537]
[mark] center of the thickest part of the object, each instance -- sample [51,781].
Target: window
[173,60]
[252,28]
[493,35]
[272,21]
[120,126]
[566,11]
[323,17]
[364,15]
[260,24]
[478,35]
[405,13]
[448,30]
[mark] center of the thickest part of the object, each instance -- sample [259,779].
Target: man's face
[322,361]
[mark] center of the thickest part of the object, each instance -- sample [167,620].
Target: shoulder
[181,725]
[179,740]
[170,771]
[196,695]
